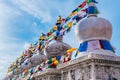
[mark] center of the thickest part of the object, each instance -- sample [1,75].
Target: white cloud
[45,10]
[32,8]
[9,46]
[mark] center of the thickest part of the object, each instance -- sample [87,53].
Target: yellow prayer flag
[69,51]
[55,27]
[70,14]
[70,24]
[59,20]
[74,13]
[41,47]
[42,37]
[55,62]
[73,49]
[53,59]
[9,70]
[31,48]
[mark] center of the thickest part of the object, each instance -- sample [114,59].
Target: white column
[61,75]
[69,76]
[93,73]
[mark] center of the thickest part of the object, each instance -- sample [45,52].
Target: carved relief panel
[107,72]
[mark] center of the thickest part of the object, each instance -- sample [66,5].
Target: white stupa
[94,34]
[58,48]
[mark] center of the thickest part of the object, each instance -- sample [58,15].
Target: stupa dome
[93,28]
[57,48]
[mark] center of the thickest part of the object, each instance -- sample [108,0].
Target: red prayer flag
[84,10]
[82,5]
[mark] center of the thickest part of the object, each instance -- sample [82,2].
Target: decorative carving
[107,72]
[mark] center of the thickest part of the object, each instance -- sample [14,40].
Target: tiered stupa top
[93,27]
[94,33]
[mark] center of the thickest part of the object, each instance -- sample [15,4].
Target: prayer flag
[82,5]
[70,24]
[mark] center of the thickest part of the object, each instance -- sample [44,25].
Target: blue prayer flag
[83,47]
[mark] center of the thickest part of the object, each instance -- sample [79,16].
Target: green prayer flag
[50,60]
[88,1]
[76,53]
[49,37]
[51,30]
[78,9]
[95,11]
[74,23]
[66,26]
[48,66]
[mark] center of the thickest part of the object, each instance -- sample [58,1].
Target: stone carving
[107,72]
[78,74]
[64,75]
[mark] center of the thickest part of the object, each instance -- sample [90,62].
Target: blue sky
[22,21]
